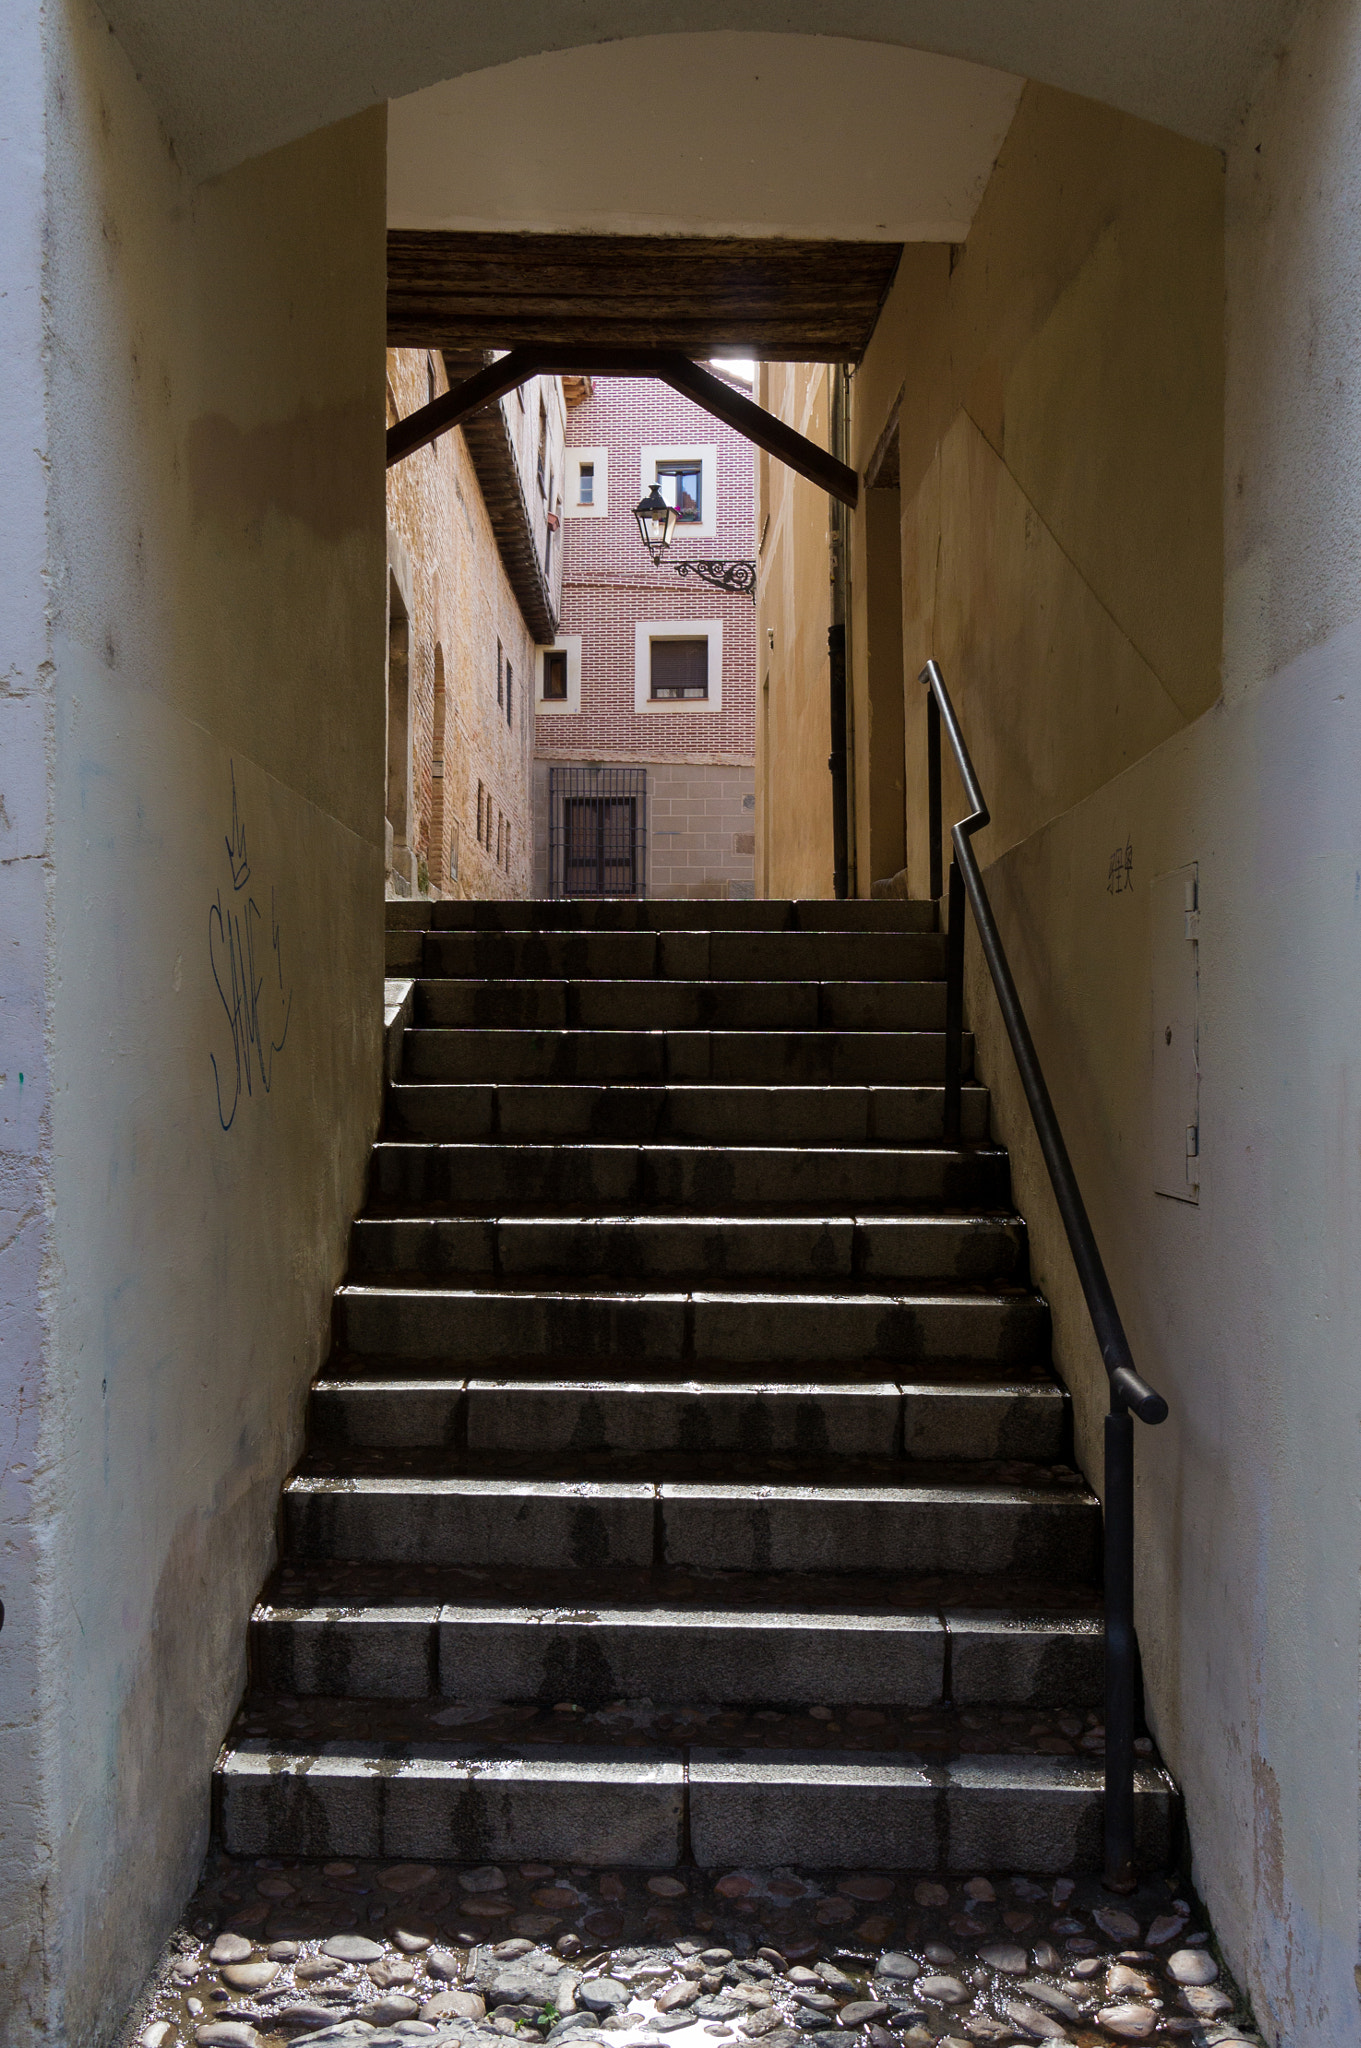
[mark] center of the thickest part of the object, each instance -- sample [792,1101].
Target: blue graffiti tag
[255,1001]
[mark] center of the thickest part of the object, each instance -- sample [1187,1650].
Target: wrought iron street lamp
[656,524]
[657,527]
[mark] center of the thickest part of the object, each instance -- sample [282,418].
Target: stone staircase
[689,1481]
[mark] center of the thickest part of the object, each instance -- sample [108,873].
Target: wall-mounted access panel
[1174,910]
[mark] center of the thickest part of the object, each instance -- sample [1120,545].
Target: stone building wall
[471,656]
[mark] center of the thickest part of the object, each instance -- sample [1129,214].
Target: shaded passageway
[1115,392]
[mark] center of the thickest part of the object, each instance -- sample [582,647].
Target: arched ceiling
[731,134]
[240,76]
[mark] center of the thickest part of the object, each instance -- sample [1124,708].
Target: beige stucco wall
[1134,355]
[192,790]
[462,604]
[1061,380]
[1242,1307]
[793,612]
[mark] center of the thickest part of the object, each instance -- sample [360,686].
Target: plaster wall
[881,144]
[793,613]
[193,668]
[1242,1307]
[1058,386]
[242,77]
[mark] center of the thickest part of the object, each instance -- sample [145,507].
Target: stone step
[747,1655]
[660,1176]
[680,955]
[769,1058]
[685,1005]
[701,1112]
[997,1328]
[1025,1420]
[425,1798]
[817,914]
[950,1523]
[978,1248]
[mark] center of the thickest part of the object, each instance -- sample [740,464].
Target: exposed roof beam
[716,396]
[777,300]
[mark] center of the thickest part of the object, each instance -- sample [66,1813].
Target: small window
[680,668]
[555,674]
[681,485]
[510,691]
[586,484]
[480,802]
[500,674]
[543,448]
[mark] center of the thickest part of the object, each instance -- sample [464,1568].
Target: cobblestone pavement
[374,1955]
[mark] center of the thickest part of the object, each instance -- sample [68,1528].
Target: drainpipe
[838,761]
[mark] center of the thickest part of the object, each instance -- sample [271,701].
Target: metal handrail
[1129,1392]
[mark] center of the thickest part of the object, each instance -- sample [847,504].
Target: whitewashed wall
[192,718]
[1246,1308]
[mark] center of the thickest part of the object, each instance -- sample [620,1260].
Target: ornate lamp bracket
[722,575]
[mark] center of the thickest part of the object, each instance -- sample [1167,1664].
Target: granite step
[1024,1420]
[391,1783]
[1000,1327]
[464,1174]
[947,1520]
[977,1248]
[697,1113]
[818,914]
[389,1642]
[768,1058]
[683,955]
[683,1005]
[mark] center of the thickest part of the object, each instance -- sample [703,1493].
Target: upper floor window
[686,474]
[680,669]
[586,483]
[543,447]
[682,484]
[555,675]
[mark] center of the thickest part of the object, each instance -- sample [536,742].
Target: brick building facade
[645,699]
[475,578]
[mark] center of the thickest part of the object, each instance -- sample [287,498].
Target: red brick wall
[609,583]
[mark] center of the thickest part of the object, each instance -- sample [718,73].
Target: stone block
[470,1521]
[769,1809]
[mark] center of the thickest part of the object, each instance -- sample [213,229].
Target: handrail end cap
[1137,1395]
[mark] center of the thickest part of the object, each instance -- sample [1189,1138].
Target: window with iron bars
[597,831]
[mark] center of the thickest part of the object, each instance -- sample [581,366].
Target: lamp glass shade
[656,522]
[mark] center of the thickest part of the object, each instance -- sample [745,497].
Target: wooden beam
[428,422]
[797,301]
[750,420]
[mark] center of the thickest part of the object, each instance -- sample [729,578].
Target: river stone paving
[379,1955]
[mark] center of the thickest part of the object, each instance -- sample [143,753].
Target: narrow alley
[680,707]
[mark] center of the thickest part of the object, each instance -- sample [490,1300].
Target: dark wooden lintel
[716,396]
[777,299]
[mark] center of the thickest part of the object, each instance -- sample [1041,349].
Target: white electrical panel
[1175,917]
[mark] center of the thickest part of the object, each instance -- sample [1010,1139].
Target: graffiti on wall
[245,953]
